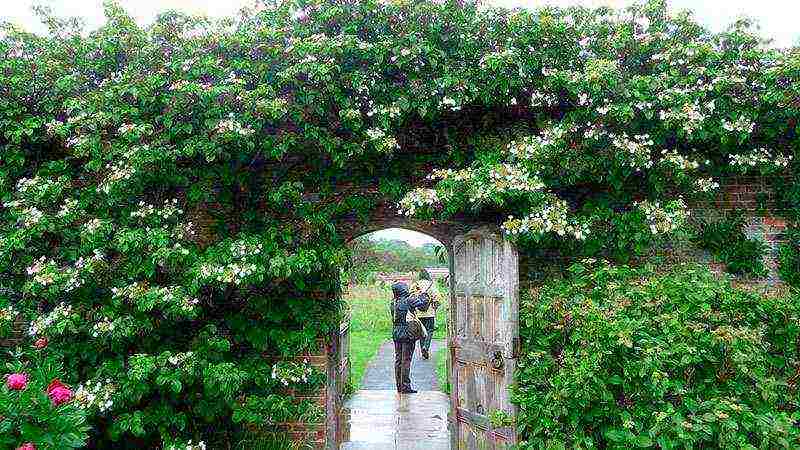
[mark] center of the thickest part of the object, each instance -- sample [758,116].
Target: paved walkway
[379,374]
[378,418]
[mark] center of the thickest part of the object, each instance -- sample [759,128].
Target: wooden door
[483,338]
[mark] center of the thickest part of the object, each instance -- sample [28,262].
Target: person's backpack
[416,330]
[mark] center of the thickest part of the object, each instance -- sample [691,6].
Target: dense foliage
[789,258]
[170,194]
[724,237]
[618,357]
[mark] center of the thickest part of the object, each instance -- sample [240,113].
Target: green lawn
[371,325]
[441,369]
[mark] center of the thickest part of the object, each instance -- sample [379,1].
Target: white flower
[417,199]
[550,218]
[662,220]
[740,125]
[767,160]
[233,126]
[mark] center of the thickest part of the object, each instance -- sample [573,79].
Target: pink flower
[27,446]
[17,381]
[58,392]
[40,343]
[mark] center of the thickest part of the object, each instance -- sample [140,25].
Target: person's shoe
[425,354]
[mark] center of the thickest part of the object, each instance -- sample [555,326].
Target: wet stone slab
[386,420]
[379,374]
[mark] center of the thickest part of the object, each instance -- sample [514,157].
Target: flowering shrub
[617,357]
[171,193]
[38,412]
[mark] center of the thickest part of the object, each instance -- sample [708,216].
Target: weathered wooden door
[483,338]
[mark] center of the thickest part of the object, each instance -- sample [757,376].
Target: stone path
[378,418]
[379,374]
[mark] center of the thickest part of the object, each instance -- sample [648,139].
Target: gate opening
[379,259]
[375,415]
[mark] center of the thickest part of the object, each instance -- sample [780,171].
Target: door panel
[484,289]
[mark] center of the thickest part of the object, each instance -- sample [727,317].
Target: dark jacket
[401,305]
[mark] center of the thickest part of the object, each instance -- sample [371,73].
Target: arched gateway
[483,333]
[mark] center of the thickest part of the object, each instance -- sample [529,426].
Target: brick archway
[385,215]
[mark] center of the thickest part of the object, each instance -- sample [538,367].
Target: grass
[371,325]
[440,358]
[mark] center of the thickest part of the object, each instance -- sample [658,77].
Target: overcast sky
[778,18]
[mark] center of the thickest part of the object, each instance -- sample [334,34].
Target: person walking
[404,335]
[425,290]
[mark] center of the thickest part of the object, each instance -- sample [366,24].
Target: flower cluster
[30,217]
[740,125]
[168,210]
[180,358]
[93,225]
[636,151]
[7,315]
[761,158]
[545,99]
[663,220]
[45,272]
[17,381]
[103,327]
[58,392]
[706,184]
[288,372]
[418,199]
[553,217]
[235,272]
[506,177]
[678,161]
[233,126]
[68,207]
[172,298]
[96,395]
[189,445]
[37,188]
[691,116]
[242,249]
[528,146]
[383,143]
[130,128]
[42,323]
[117,172]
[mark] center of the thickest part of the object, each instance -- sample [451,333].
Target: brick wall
[753,197]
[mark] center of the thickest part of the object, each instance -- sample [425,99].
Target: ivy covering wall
[580,130]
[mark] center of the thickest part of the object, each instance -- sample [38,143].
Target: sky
[777,19]
[412,237]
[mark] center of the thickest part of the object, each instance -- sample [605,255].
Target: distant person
[404,335]
[426,292]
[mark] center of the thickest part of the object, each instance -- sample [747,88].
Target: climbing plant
[622,357]
[170,192]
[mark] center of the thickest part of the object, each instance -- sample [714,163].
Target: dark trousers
[403,350]
[425,343]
